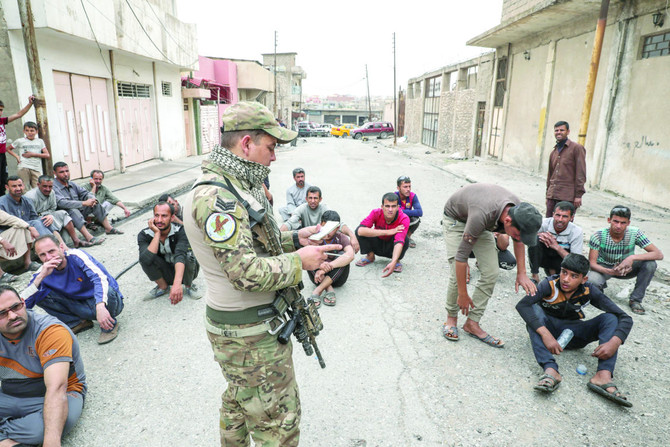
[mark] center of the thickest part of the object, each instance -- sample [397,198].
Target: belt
[271,326]
[246,316]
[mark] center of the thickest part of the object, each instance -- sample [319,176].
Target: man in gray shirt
[471,215]
[309,214]
[557,237]
[295,195]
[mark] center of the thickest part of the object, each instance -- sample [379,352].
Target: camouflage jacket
[237,267]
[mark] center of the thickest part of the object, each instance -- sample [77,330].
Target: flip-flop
[7,277]
[84,244]
[97,240]
[398,268]
[316,299]
[450,332]
[329,298]
[602,390]
[545,387]
[636,307]
[363,262]
[488,339]
[114,231]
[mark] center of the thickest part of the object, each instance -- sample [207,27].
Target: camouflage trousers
[262,398]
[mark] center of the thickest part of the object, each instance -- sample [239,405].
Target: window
[166,88]
[433,87]
[654,46]
[471,77]
[130,90]
[501,81]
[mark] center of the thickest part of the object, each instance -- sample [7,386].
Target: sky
[336,39]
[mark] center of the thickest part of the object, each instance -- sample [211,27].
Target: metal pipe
[30,43]
[593,71]
[119,133]
[158,122]
[395,113]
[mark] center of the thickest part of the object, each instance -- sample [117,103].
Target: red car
[377,129]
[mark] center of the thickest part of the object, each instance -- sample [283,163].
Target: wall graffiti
[643,141]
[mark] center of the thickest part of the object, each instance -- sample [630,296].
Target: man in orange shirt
[43,379]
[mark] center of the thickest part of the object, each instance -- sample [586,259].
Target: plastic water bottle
[581,370]
[565,338]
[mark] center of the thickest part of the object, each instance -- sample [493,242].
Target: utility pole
[30,42]
[275,72]
[593,71]
[395,113]
[367,80]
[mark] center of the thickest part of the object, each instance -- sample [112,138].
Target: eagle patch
[220,227]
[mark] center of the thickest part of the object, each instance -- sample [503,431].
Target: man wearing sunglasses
[43,379]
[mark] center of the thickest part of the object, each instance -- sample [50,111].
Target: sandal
[547,383]
[398,268]
[92,227]
[412,244]
[83,244]
[363,262]
[636,307]
[450,332]
[488,339]
[616,396]
[316,299]
[329,298]
[97,240]
[114,231]
[7,277]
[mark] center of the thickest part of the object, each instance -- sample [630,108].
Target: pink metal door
[68,128]
[136,130]
[86,127]
[101,114]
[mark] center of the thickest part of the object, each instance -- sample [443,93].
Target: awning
[219,91]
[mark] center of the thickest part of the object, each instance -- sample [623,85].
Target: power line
[148,36]
[95,38]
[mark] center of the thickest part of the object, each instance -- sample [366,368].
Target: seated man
[295,194]
[612,254]
[14,203]
[44,200]
[165,256]
[78,202]
[335,270]
[103,195]
[75,288]
[16,240]
[387,238]
[558,305]
[506,259]
[43,379]
[178,215]
[311,213]
[409,204]
[557,237]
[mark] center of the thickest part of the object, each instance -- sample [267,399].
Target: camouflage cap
[254,116]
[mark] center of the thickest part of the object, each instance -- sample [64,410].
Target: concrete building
[216,85]
[288,98]
[342,116]
[545,48]
[447,109]
[111,75]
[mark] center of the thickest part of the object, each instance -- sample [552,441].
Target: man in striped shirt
[612,255]
[75,288]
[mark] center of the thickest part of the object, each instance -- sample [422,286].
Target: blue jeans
[600,328]
[39,226]
[71,312]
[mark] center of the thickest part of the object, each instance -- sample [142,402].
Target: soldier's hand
[312,256]
[305,233]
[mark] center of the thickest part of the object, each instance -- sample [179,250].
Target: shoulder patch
[220,227]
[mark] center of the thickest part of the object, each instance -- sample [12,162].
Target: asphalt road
[391,379]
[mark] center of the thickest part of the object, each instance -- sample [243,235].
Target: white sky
[335,39]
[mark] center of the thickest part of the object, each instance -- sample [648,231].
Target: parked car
[322,130]
[342,130]
[377,129]
[305,129]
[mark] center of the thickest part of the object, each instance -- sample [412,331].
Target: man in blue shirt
[75,288]
[15,204]
[408,202]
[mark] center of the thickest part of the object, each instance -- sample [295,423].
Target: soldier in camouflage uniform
[262,399]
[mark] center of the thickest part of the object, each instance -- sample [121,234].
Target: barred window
[655,46]
[130,90]
[166,88]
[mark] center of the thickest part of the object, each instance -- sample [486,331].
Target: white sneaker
[156,292]
[192,292]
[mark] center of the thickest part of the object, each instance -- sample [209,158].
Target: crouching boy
[558,305]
